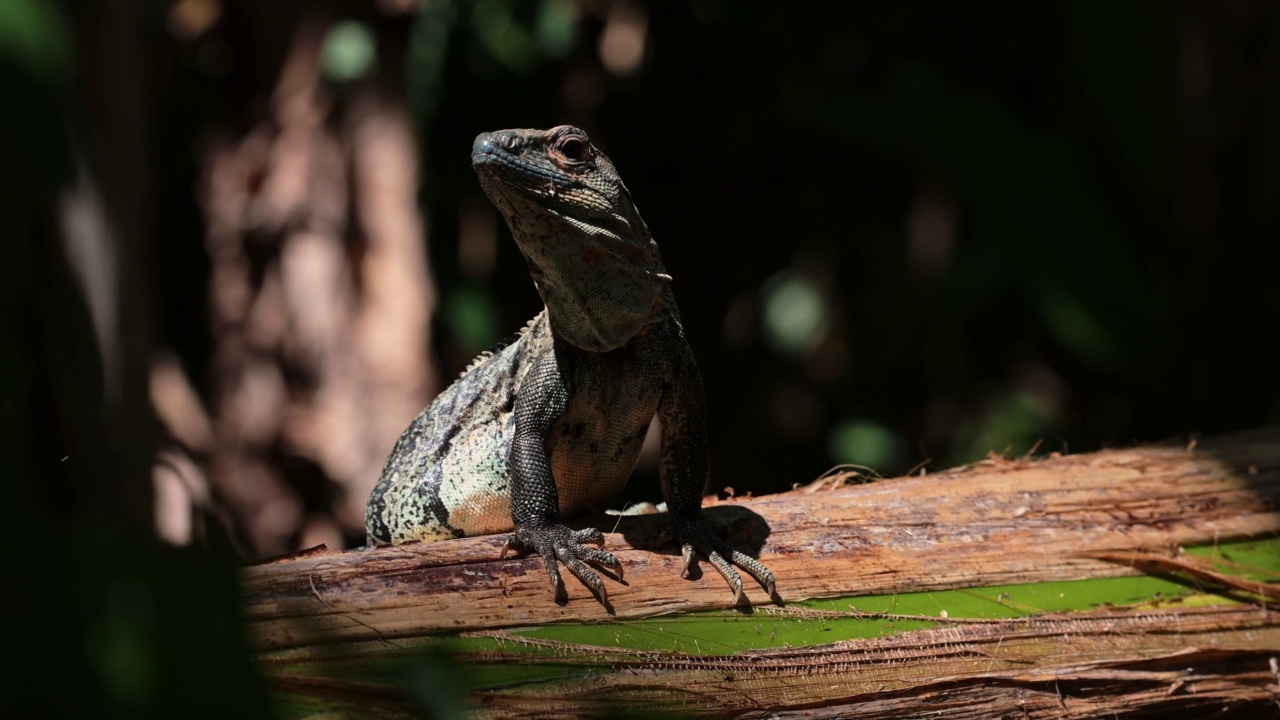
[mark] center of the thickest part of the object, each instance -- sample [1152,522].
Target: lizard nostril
[492,143]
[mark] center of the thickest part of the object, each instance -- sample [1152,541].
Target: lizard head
[589,252]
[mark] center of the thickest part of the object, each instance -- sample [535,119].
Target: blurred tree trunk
[76,281]
[104,217]
[320,296]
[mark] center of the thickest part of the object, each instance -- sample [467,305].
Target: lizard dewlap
[549,426]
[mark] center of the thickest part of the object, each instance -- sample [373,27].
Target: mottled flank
[549,426]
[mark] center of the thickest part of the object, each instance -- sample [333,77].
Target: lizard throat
[597,297]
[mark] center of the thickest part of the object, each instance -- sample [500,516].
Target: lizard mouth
[506,178]
[520,178]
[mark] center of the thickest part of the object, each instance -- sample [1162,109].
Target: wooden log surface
[997,522]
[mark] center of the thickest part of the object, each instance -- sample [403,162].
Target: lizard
[549,424]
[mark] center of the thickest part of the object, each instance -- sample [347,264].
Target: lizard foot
[558,544]
[697,534]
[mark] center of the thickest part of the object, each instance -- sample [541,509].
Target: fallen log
[319,617]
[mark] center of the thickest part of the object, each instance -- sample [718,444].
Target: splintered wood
[999,522]
[995,523]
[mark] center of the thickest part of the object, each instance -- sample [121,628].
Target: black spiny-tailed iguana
[550,425]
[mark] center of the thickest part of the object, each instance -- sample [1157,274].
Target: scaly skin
[549,426]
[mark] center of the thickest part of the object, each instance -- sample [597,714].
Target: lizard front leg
[535,500]
[683,469]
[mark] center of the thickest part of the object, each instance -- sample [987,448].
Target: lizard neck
[600,290]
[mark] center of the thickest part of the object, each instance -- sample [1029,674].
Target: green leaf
[350,51]
[33,35]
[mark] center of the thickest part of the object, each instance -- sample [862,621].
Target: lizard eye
[574,148]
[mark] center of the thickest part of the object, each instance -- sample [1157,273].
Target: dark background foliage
[903,235]
[923,232]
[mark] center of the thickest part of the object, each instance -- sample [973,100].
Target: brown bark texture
[1001,521]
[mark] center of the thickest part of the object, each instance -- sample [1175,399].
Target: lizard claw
[699,534]
[688,553]
[558,545]
[508,546]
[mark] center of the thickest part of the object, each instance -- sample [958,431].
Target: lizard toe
[601,558]
[756,569]
[590,536]
[700,535]
[558,545]
[730,575]
[582,571]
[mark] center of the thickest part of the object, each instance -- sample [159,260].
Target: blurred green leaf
[501,33]
[795,318]
[1017,420]
[438,685]
[557,26]
[518,43]
[33,35]
[428,43]
[1075,327]
[863,442]
[471,315]
[123,643]
[350,51]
